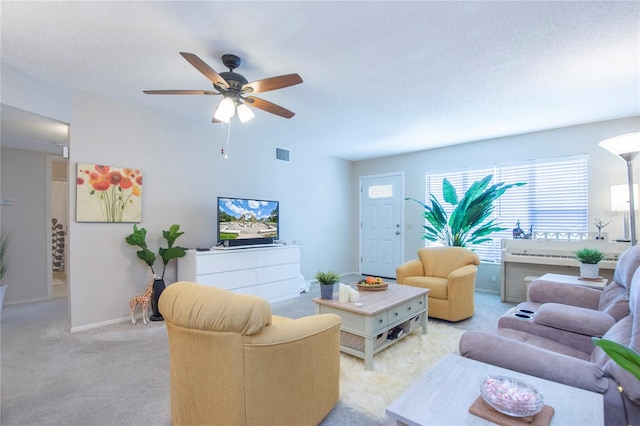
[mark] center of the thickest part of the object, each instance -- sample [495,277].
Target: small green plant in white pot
[327,280]
[589,259]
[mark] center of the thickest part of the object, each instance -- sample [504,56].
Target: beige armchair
[233,363]
[450,274]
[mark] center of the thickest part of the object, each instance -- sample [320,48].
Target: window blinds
[554,199]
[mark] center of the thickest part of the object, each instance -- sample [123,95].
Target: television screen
[244,221]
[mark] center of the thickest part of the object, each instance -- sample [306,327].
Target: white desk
[444,394]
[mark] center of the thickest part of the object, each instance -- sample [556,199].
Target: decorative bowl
[372,284]
[511,396]
[372,287]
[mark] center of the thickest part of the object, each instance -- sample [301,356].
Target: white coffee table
[444,394]
[377,312]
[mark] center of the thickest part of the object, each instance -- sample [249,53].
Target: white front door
[381,218]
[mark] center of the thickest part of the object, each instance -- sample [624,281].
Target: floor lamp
[620,203]
[626,147]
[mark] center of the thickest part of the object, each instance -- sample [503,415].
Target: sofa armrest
[543,291]
[292,371]
[462,273]
[412,268]
[574,319]
[492,348]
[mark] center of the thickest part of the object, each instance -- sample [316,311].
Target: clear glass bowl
[511,396]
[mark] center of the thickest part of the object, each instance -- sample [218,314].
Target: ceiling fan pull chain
[226,153]
[221,138]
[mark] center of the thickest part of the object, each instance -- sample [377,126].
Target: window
[381,191]
[554,198]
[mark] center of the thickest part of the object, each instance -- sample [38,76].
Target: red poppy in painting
[102,185]
[115,177]
[103,170]
[80,181]
[126,183]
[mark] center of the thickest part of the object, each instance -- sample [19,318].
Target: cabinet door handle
[380,320]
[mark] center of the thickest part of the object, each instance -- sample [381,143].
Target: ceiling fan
[234,88]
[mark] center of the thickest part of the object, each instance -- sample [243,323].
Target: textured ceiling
[380,78]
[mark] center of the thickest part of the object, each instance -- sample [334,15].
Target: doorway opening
[59,227]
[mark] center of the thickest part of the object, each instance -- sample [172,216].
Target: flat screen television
[243,221]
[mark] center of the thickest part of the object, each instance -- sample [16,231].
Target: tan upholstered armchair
[233,363]
[450,274]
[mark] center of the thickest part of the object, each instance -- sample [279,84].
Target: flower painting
[108,194]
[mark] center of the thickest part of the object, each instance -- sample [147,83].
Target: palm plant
[623,356]
[468,223]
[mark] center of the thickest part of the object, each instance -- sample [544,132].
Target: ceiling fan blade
[273,83]
[180,92]
[205,69]
[268,107]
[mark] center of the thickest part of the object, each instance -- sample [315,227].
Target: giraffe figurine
[143,300]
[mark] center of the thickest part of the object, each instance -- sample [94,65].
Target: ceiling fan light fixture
[244,113]
[226,109]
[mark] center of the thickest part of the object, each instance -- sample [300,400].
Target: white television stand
[272,272]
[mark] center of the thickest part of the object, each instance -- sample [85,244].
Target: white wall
[25,179]
[183,174]
[604,170]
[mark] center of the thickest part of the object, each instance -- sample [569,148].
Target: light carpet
[395,368]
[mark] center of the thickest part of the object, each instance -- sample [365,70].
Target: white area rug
[395,369]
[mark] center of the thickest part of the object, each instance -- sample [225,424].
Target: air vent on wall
[283,154]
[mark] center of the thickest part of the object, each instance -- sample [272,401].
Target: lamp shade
[620,197]
[244,113]
[226,109]
[624,144]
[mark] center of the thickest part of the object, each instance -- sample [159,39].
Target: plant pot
[326,291]
[589,270]
[158,288]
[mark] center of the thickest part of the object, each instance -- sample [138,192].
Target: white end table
[444,394]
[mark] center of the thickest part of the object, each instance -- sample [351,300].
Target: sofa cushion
[574,319]
[626,266]
[201,307]
[541,342]
[619,333]
[529,354]
[438,286]
[440,261]
[614,300]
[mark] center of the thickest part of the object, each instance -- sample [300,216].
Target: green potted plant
[589,259]
[138,239]
[466,225]
[4,245]
[327,280]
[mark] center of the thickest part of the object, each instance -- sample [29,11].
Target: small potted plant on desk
[327,280]
[589,259]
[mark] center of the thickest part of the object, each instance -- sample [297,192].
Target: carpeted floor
[118,375]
